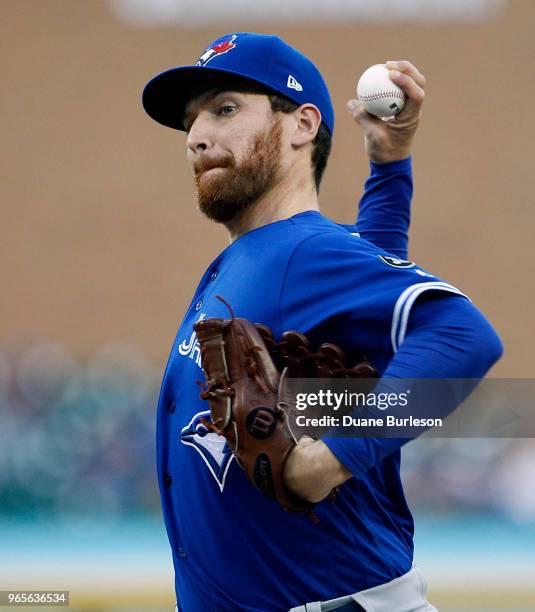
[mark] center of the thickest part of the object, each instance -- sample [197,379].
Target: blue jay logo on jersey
[213,449]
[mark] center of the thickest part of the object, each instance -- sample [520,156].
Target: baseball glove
[245,371]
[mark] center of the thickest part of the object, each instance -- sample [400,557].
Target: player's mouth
[207,165]
[205,174]
[210,171]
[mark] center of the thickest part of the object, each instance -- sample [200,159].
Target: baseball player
[259,122]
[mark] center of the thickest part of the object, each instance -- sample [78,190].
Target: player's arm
[410,323]
[384,209]
[447,338]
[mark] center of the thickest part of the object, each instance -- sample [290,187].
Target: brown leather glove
[245,371]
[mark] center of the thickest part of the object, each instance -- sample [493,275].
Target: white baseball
[378,94]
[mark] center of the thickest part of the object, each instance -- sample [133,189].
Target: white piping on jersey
[404,304]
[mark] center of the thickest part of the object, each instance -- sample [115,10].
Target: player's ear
[307,122]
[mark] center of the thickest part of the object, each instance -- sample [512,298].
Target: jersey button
[168,480]
[171,407]
[198,305]
[213,276]
[181,552]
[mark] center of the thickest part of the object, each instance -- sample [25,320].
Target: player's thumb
[362,117]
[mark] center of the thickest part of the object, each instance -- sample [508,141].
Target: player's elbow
[456,338]
[487,346]
[482,345]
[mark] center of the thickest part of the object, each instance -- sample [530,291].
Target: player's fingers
[361,116]
[407,68]
[305,441]
[409,85]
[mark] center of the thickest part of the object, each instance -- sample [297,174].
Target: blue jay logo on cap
[220,46]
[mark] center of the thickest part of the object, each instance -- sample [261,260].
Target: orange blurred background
[102,247]
[101,240]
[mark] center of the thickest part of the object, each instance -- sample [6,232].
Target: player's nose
[199,139]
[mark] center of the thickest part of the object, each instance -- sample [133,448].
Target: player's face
[234,149]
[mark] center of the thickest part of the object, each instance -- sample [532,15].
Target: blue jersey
[234,549]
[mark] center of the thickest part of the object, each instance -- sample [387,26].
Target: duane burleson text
[349,421]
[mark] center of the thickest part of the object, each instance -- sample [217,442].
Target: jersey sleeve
[448,338]
[385,207]
[351,292]
[384,211]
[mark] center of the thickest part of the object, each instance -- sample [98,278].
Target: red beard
[229,191]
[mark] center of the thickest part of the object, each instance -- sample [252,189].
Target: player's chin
[215,203]
[211,183]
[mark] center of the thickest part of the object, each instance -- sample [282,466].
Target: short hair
[322,143]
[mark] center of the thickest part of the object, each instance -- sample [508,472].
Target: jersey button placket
[167,479]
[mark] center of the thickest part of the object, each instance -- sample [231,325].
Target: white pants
[408,593]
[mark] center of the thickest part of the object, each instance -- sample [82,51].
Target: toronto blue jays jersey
[234,549]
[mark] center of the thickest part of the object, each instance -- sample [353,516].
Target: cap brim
[166,95]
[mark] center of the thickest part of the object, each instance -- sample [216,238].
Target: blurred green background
[102,247]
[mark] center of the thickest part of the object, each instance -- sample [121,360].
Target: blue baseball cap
[266,60]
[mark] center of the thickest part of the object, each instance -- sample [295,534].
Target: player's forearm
[385,207]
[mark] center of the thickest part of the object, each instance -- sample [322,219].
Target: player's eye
[226,109]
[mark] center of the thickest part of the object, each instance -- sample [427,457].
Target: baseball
[378,94]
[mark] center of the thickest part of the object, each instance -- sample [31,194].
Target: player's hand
[391,140]
[312,471]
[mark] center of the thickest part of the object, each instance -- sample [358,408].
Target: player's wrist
[388,157]
[391,167]
[312,472]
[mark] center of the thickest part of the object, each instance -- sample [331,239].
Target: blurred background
[102,247]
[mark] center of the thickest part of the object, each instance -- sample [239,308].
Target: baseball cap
[264,59]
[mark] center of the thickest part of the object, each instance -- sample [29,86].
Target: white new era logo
[293,83]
